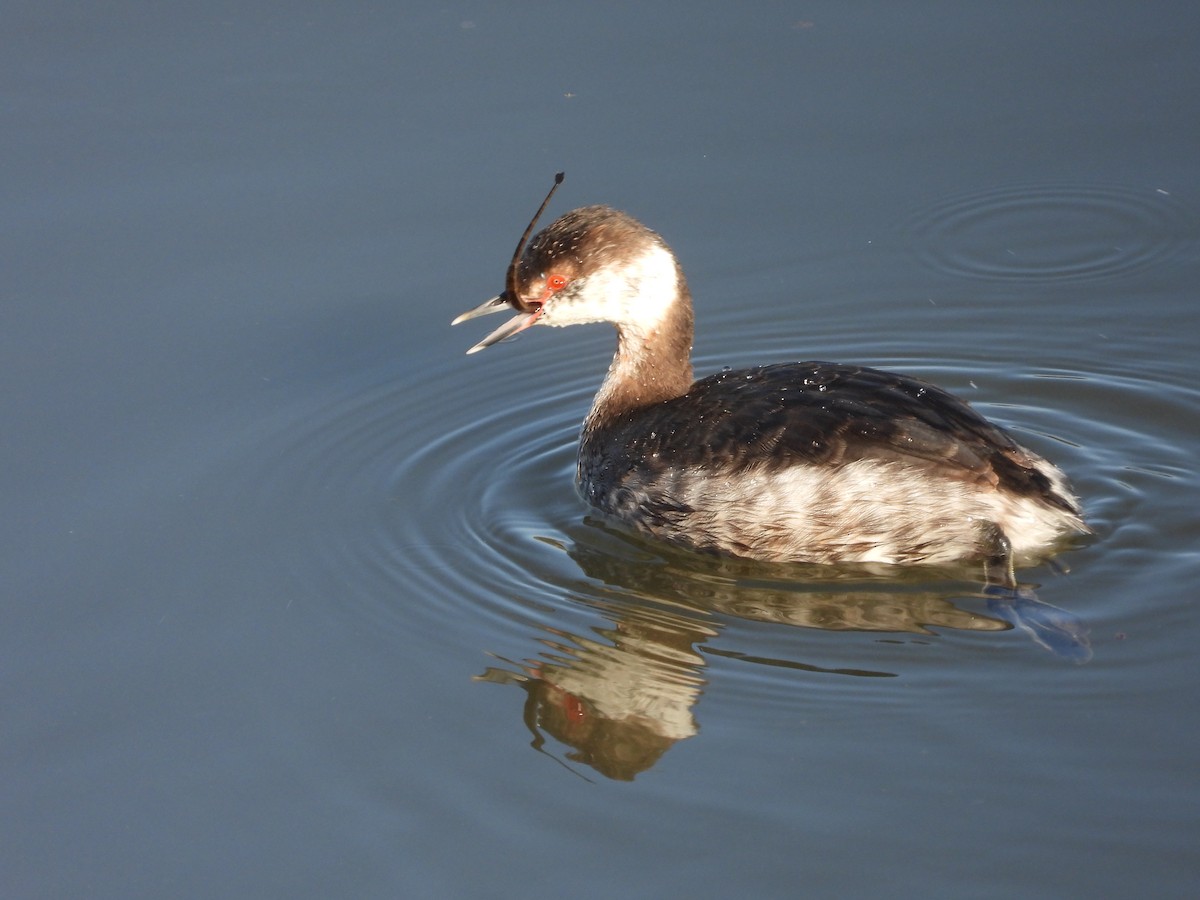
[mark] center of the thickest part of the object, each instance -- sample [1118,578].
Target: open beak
[494,305]
[514,325]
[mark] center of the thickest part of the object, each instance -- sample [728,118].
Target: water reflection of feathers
[619,701]
[622,698]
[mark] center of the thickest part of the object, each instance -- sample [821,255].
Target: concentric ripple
[1040,233]
[416,503]
[442,512]
[445,508]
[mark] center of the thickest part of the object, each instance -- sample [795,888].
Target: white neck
[648,301]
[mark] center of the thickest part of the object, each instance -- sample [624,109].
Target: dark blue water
[300,601]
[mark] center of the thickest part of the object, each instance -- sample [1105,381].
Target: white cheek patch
[655,280]
[637,294]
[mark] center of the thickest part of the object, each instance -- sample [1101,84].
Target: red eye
[556,282]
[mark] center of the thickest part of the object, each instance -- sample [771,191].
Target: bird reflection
[619,699]
[623,695]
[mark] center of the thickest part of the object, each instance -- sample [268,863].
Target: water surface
[300,600]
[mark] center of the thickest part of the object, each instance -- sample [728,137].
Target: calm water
[300,601]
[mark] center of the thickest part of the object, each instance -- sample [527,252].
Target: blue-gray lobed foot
[1060,632]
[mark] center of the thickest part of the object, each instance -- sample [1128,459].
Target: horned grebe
[808,462]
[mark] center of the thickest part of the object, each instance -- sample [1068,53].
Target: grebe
[810,462]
